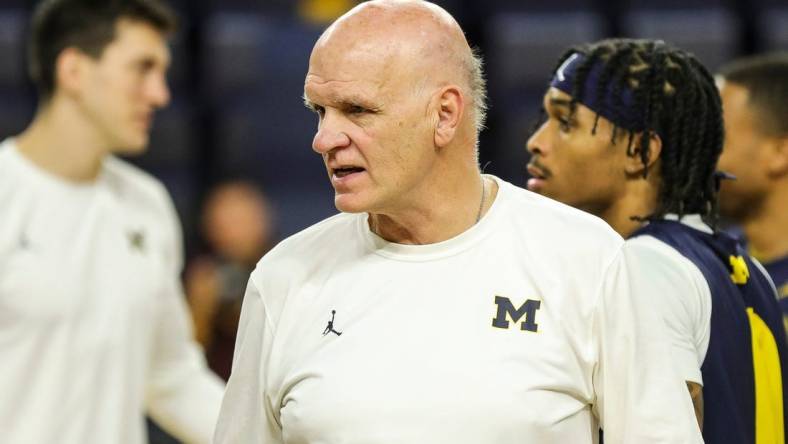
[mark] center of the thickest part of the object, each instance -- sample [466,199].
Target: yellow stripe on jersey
[769,427]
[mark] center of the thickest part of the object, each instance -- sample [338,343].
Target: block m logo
[506,308]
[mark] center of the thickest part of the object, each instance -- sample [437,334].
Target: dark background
[239,67]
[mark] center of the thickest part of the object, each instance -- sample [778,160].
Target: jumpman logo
[330,326]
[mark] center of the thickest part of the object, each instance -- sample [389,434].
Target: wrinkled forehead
[361,67]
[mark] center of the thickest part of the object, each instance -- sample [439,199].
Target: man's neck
[639,200]
[60,142]
[767,231]
[458,209]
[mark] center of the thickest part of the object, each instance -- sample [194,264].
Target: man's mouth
[539,176]
[346,171]
[537,171]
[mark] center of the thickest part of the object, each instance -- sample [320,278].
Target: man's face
[373,132]
[742,155]
[125,85]
[569,163]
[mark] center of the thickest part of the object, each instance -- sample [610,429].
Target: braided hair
[678,100]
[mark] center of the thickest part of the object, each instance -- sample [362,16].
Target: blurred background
[239,65]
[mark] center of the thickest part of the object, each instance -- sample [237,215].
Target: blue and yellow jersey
[778,269]
[745,366]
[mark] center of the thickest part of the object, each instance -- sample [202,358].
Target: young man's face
[125,86]
[742,156]
[572,165]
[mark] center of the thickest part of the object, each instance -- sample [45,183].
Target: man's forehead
[343,90]
[141,39]
[556,97]
[348,74]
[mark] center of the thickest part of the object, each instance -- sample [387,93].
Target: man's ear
[777,156]
[450,108]
[634,163]
[70,67]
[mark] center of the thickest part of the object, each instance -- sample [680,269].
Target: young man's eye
[564,123]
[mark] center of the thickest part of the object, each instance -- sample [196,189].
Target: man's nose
[330,134]
[536,143]
[157,91]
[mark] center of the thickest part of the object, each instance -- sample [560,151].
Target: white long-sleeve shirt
[94,329]
[524,328]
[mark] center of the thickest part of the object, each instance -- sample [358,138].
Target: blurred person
[238,229]
[754,94]
[94,330]
[632,134]
[437,282]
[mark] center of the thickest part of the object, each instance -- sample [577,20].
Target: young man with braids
[754,95]
[632,134]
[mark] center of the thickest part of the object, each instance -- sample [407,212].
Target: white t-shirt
[93,324]
[680,293]
[521,329]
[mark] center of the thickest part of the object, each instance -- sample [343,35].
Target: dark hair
[766,79]
[679,102]
[88,25]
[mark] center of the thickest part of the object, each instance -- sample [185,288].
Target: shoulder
[674,282]
[135,186]
[8,165]
[314,248]
[558,228]
[659,260]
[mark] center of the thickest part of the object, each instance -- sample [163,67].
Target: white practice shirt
[94,329]
[522,329]
[679,292]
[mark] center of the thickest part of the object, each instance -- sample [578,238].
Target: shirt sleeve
[246,415]
[182,394]
[639,395]
[682,298]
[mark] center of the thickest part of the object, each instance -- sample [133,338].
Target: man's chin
[348,203]
[131,147]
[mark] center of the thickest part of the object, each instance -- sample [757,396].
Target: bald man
[441,305]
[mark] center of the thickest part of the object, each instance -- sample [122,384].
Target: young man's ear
[450,108]
[778,156]
[70,70]
[634,163]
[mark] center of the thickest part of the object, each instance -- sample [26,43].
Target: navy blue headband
[621,111]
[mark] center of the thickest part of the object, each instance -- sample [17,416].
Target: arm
[683,300]
[640,395]
[696,393]
[182,395]
[246,415]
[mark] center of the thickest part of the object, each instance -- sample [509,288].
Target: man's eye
[564,123]
[355,109]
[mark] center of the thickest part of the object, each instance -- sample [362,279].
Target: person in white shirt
[94,330]
[632,134]
[441,305]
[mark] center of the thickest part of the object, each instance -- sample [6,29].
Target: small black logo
[137,240]
[330,326]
